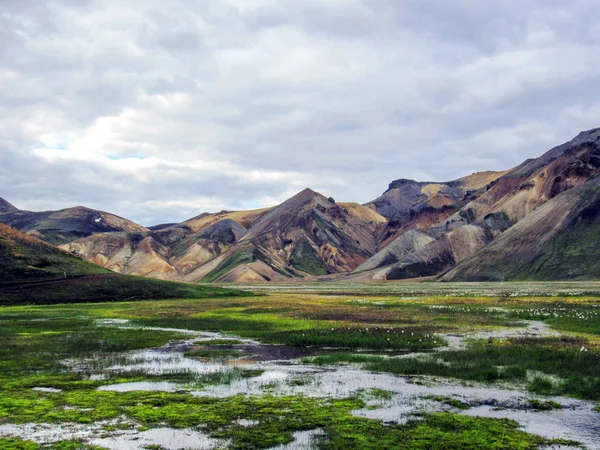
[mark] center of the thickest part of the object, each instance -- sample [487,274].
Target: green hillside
[34,272]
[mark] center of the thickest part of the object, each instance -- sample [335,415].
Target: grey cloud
[238,104]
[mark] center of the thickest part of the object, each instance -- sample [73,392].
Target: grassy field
[110,287]
[430,288]
[54,359]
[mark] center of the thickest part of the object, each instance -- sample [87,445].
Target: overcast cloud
[158,111]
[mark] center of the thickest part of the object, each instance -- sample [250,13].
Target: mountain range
[535,221]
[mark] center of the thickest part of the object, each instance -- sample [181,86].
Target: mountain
[24,258]
[409,204]
[307,235]
[414,229]
[492,209]
[558,241]
[33,271]
[59,227]
[6,207]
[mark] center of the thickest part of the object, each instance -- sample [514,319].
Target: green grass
[563,316]
[305,259]
[110,287]
[21,444]
[437,431]
[37,339]
[302,333]
[275,418]
[512,360]
[24,260]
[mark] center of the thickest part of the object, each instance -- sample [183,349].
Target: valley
[307,369]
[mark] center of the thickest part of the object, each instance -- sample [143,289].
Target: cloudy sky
[159,110]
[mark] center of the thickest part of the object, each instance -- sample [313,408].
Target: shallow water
[163,386]
[280,378]
[303,440]
[283,375]
[166,438]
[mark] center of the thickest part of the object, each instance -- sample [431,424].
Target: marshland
[415,365]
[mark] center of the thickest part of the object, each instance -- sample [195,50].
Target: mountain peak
[6,206]
[303,196]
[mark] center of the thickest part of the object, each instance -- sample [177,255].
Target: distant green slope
[24,259]
[34,272]
[109,287]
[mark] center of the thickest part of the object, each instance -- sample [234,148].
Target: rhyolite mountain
[414,229]
[35,272]
[492,209]
[308,235]
[558,241]
[59,227]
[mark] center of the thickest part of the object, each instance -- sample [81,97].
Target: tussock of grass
[21,444]
[450,401]
[544,405]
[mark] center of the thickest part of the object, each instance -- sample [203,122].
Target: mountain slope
[558,241]
[307,235]
[59,227]
[26,259]
[497,206]
[6,207]
[409,204]
[244,218]
[32,271]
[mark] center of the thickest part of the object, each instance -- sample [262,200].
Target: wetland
[513,368]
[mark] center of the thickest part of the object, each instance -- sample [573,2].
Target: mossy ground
[38,340]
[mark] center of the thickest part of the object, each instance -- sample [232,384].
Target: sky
[158,111]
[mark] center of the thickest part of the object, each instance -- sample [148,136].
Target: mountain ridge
[414,229]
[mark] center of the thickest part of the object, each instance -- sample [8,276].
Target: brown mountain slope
[306,235]
[558,241]
[168,253]
[244,218]
[411,205]
[498,205]
[58,227]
